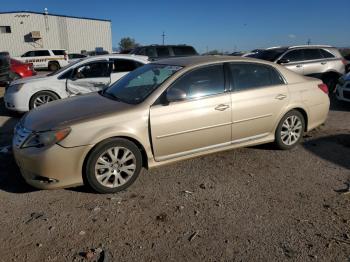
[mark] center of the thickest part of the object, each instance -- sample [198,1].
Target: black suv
[162,51]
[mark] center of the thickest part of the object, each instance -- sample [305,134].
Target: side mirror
[283,61]
[174,94]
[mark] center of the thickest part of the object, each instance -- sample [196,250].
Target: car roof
[199,60]
[107,56]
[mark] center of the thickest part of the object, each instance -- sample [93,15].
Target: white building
[24,31]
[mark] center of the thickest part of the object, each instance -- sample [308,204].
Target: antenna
[163,37]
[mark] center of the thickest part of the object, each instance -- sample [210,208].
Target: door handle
[323,63]
[298,66]
[280,97]
[222,107]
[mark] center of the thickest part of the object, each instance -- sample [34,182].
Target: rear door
[314,63]
[89,77]
[41,58]
[199,121]
[258,97]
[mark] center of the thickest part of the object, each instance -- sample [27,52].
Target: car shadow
[334,148]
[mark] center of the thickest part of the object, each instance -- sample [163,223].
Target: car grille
[20,136]
[346,94]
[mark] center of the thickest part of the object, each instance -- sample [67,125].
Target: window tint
[269,54]
[246,76]
[149,51]
[58,52]
[41,53]
[311,54]
[163,51]
[5,29]
[184,50]
[66,74]
[124,65]
[326,54]
[28,54]
[201,82]
[76,56]
[92,70]
[294,55]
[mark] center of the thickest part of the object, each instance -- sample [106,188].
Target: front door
[258,97]
[199,120]
[89,77]
[294,61]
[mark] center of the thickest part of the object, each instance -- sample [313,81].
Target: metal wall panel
[72,34]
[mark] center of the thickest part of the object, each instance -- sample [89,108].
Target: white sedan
[84,76]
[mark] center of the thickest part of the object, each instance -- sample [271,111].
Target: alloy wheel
[291,131]
[115,167]
[42,99]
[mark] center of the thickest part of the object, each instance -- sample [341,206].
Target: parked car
[343,88]
[52,59]
[4,68]
[73,57]
[20,70]
[323,62]
[164,51]
[347,67]
[88,75]
[165,112]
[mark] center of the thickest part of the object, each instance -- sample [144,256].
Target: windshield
[270,54]
[63,68]
[136,86]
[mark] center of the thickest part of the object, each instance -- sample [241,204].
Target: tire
[41,98]
[105,171]
[54,66]
[287,134]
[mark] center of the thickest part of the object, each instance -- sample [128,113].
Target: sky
[211,24]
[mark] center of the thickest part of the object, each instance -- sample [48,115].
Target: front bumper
[343,92]
[14,102]
[53,167]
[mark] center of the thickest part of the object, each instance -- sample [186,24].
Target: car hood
[64,113]
[31,79]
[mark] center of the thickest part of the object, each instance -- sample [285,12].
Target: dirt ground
[251,204]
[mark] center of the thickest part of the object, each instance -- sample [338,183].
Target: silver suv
[323,62]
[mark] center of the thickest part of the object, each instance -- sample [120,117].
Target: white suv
[52,59]
[91,74]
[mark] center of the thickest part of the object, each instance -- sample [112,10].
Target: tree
[127,43]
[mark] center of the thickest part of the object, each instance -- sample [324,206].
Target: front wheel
[113,166]
[290,130]
[41,98]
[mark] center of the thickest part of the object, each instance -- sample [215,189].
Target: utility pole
[309,41]
[163,37]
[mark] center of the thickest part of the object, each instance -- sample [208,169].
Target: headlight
[14,88]
[48,138]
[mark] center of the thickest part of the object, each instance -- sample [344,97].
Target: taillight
[324,88]
[345,62]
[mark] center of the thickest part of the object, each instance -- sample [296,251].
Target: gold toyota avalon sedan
[166,111]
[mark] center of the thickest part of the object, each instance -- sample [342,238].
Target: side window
[150,52]
[28,54]
[65,75]
[163,51]
[124,65]
[58,52]
[41,53]
[294,55]
[247,76]
[92,70]
[201,82]
[312,54]
[184,50]
[326,54]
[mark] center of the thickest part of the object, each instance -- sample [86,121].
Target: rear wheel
[41,98]
[54,66]
[290,130]
[113,166]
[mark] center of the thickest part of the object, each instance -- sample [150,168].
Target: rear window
[163,51]
[270,54]
[326,54]
[58,52]
[184,50]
